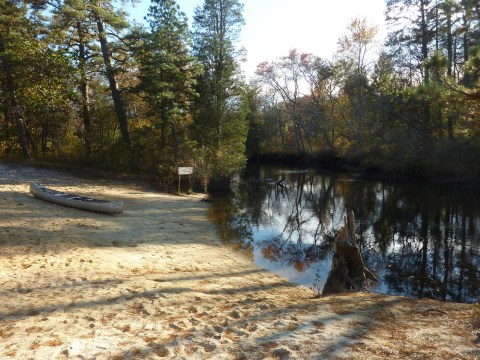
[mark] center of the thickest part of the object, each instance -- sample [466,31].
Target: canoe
[76,201]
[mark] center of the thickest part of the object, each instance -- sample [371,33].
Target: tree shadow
[354,321]
[219,289]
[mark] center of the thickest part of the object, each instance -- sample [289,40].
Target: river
[422,239]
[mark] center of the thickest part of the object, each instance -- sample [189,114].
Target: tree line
[80,83]
[410,105]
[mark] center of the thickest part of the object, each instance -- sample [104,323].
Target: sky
[274,27]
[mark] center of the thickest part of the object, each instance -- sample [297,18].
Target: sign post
[183,171]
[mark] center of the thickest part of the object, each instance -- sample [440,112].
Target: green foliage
[80,71]
[167,75]
[219,121]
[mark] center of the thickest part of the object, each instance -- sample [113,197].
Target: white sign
[185,170]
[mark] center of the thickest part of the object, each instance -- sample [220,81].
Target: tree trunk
[425,40]
[176,141]
[117,100]
[57,140]
[426,128]
[45,131]
[348,271]
[467,77]
[450,54]
[14,103]
[84,90]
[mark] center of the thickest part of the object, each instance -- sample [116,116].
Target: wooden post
[348,270]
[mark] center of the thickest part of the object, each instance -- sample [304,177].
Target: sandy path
[155,282]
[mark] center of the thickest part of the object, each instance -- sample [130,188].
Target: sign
[185,170]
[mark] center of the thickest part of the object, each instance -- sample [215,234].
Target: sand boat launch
[76,201]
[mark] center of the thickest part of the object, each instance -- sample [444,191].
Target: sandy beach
[155,282]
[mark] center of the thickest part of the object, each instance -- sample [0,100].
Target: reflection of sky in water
[315,274]
[422,240]
[285,270]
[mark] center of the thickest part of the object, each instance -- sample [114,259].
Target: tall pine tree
[167,76]
[220,120]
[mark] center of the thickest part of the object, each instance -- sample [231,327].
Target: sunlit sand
[156,282]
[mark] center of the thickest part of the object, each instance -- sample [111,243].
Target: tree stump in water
[348,271]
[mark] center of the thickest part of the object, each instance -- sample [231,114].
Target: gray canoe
[76,201]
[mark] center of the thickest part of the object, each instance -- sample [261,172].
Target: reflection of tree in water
[304,238]
[233,224]
[422,239]
[427,252]
[298,255]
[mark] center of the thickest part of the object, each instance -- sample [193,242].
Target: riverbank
[156,282]
[416,171]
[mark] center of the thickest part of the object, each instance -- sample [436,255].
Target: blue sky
[274,27]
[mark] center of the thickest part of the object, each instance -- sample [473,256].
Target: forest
[81,85]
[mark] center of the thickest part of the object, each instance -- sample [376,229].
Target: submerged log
[348,271]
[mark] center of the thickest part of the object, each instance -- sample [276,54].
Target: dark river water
[422,239]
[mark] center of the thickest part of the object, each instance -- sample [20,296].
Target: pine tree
[167,76]
[104,14]
[75,34]
[13,25]
[93,33]
[412,44]
[220,121]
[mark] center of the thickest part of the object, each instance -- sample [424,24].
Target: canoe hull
[76,201]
